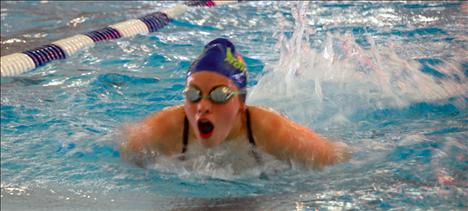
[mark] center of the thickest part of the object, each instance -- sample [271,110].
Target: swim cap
[220,56]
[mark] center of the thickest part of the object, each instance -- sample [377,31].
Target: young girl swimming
[214,111]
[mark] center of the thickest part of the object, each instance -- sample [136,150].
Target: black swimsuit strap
[251,138]
[249,128]
[185,134]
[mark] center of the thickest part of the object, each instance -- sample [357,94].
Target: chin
[210,142]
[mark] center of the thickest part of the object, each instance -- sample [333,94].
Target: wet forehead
[206,80]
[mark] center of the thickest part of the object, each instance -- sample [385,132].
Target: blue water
[388,79]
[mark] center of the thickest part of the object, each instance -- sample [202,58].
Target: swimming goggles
[219,94]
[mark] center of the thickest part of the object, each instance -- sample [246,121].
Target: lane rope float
[18,63]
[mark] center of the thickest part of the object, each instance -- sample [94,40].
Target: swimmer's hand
[133,147]
[321,152]
[342,152]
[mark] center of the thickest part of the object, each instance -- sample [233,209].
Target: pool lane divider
[18,63]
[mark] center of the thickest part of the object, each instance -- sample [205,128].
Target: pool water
[388,79]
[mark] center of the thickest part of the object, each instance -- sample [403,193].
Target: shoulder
[267,123]
[166,118]
[265,116]
[164,129]
[262,110]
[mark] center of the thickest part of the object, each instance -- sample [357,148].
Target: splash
[340,75]
[228,161]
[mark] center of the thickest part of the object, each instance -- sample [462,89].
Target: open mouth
[206,128]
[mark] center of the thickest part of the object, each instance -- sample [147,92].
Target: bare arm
[135,143]
[160,133]
[286,139]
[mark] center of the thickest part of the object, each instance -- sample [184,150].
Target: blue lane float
[106,33]
[155,21]
[45,54]
[18,63]
[200,3]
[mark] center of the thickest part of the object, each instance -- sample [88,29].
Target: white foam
[229,160]
[341,76]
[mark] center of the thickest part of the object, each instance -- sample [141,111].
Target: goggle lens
[221,95]
[218,95]
[193,95]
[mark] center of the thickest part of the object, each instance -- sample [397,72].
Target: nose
[204,106]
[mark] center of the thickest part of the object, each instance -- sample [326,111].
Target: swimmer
[214,111]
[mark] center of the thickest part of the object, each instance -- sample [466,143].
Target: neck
[239,127]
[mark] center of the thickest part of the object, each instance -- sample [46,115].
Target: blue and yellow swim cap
[220,56]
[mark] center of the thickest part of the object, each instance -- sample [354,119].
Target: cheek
[227,115]
[188,108]
[190,111]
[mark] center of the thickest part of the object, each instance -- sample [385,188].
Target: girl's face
[212,122]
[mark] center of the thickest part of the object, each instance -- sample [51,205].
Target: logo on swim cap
[235,62]
[220,56]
